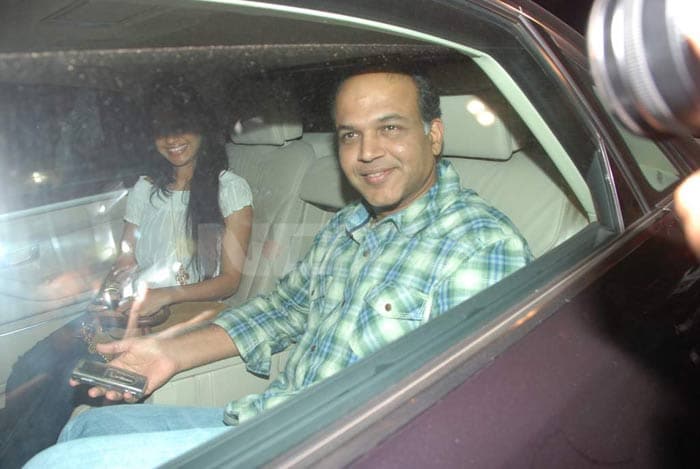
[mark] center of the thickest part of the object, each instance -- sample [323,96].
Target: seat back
[491,150]
[266,150]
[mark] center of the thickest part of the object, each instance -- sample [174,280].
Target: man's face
[383,148]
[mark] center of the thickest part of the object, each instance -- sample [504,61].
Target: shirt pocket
[393,301]
[389,311]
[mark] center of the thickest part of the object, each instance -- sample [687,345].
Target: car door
[610,376]
[62,207]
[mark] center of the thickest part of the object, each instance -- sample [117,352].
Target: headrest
[266,114]
[266,130]
[479,127]
[324,185]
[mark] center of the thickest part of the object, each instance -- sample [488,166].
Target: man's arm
[261,326]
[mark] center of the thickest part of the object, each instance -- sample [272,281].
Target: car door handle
[19,256]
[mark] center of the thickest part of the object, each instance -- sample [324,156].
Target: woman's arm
[234,248]
[125,256]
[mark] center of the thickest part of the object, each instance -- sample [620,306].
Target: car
[586,356]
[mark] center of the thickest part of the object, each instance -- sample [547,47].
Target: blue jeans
[131,436]
[39,399]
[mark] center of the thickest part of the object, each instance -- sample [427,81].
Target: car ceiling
[111,43]
[43,25]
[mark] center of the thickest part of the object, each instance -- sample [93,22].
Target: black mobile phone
[109,377]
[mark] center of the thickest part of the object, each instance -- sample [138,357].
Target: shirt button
[387,307]
[313,348]
[365,253]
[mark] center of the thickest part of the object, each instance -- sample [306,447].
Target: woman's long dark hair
[174,107]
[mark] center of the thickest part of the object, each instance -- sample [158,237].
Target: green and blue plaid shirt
[364,284]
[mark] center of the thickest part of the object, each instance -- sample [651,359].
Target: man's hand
[687,202]
[142,355]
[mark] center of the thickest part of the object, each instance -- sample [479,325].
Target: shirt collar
[422,212]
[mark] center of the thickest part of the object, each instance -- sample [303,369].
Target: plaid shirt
[365,283]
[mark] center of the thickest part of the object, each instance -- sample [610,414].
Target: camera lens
[645,69]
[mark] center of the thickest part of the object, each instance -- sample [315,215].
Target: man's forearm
[201,344]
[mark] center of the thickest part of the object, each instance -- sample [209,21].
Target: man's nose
[371,148]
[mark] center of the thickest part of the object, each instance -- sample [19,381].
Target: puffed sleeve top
[162,246]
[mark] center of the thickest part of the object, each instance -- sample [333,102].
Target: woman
[190,193]
[188,206]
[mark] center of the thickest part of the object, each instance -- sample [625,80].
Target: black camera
[645,60]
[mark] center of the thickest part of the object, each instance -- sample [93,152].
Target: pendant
[182,276]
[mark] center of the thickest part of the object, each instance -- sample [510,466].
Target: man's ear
[436,135]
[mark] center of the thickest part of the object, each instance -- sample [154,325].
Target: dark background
[573,12]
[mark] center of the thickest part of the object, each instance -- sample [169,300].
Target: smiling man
[387,151]
[414,247]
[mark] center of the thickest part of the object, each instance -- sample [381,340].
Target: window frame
[611,139]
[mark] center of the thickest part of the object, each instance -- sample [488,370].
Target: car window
[72,129]
[65,142]
[658,171]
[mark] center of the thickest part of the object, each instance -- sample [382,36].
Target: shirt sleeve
[137,200]
[234,193]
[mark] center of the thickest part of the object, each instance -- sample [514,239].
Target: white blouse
[161,242]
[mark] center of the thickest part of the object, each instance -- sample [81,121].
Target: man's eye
[390,128]
[347,136]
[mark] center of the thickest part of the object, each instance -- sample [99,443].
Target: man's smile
[376,176]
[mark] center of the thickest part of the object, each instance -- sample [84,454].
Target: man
[416,246]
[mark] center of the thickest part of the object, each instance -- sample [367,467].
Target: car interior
[280,139]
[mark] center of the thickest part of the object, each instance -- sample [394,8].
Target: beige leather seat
[495,156]
[266,151]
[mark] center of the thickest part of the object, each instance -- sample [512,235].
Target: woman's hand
[146,304]
[150,302]
[124,263]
